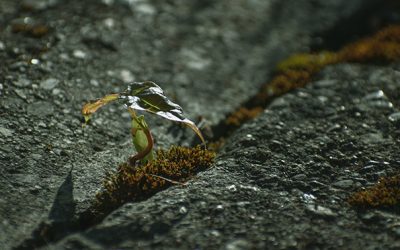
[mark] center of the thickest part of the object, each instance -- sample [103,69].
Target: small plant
[157,170]
[143,96]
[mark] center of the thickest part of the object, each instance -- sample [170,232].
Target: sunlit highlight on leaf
[149,97]
[144,96]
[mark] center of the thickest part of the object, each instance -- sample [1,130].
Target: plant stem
[142,140]
[142,154]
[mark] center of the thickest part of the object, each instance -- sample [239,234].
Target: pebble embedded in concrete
[22,82]
[6,132]
[49,83]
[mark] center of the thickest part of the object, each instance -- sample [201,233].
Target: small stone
[40,108]
[243,203]
[317,184]
[35,189]
[20,93]
[373,138]
[20,66]
[299,177]
[194,60]
[79,54]
[381,104]
[126,76]
[49,84]
[370,217]
[378,99]
[320,210]
[66,140]
[34,61]
[395,117]
[36,156]
[56,91]
[375,95]
[111,73]
[183,210]
[278,102]
[237,245]
[248,187]
[215,233]
[22,82]
[232,188]
[369,169]
[6,132]
[343,184]
[144,8]
[64,56]
[94,83]
[57,151]
[335,127]
[2,46]
[308,198]
[109,22]
[66,111]
[323,99]
[42,124]
[219,207]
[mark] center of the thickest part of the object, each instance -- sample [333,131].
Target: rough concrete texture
[283,180]
[209,56]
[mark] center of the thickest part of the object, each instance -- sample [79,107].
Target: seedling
[143,96]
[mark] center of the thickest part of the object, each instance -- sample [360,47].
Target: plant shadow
[61,220]
[63,208]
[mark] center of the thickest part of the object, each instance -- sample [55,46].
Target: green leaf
[148,96]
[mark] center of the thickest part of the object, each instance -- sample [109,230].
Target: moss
[308,62]
[385,194]
[34,30]
[172,166]
[216,145]
[299,69]
[286,81]
[384,46]
[243,114]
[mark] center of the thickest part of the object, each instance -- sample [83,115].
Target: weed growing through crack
[143,96]
[146,172]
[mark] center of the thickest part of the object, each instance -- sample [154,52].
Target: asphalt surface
[280,182]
